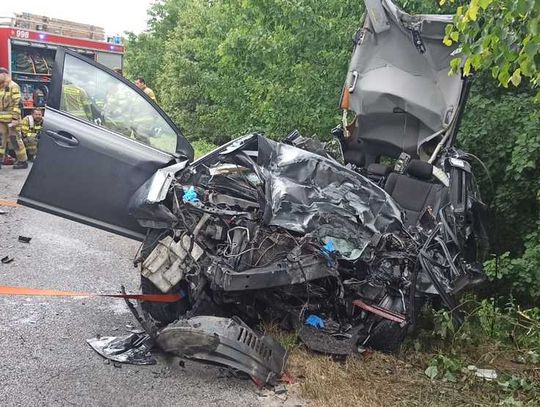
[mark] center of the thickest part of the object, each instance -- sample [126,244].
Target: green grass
[377,379]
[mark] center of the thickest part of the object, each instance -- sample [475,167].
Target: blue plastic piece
[190,195]
[327,250]
[329,247]
[314,321]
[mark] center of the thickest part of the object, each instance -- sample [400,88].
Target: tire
[163,313]
[387,336]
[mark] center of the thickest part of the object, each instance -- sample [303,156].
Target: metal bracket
[418,42]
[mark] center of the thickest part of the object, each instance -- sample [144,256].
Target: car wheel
[162,312]
[387,336]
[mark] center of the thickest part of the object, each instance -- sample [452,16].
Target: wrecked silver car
[342,243]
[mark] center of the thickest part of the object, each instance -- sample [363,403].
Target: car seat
[415,190]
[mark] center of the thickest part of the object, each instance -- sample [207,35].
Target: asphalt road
[45,360]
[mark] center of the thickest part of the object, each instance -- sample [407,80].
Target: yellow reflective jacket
[29,127]
[150,93]
[76,102]
[10,97]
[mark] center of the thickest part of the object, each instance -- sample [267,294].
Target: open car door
[102,138]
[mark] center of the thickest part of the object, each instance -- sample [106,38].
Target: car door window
[92,94]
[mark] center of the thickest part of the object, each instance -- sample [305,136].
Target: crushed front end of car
[342,244]
[262,231]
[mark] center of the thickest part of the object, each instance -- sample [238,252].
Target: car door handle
[63,137]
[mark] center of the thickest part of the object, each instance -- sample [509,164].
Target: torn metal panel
[132,349]
[307,193]
[161,181]
[226,341]
[154,216]
[377,16]
[146,205]
[402,92]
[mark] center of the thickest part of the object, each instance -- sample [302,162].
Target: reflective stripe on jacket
[29,127]
[76,102]
[10,97]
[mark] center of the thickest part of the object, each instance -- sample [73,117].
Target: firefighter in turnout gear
[141,84]
[31,127]
[10,116]
[76,101]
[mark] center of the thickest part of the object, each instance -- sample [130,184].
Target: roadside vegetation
[227,67]
[439,365]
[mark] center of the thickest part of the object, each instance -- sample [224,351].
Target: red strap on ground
[7,290]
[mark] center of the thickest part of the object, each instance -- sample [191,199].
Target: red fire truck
[28,45]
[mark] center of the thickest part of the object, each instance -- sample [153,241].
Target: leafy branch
[498,35]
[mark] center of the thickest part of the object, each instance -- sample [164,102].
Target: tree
[502,36]
[501,127]
[137,57]
[234,66]
[144,52]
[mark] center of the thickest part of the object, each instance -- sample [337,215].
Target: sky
[116,16]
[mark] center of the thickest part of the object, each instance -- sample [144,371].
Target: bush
[503,129]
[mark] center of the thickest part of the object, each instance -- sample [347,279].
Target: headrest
[378,169]
[420,169]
